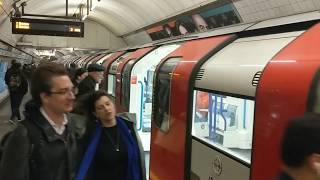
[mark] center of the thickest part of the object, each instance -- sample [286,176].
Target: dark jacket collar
[284,176]
[32,113]
[90,79]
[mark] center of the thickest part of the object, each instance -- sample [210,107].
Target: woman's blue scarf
[134,166]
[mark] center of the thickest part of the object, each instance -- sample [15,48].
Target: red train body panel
[167,158]
[281,95]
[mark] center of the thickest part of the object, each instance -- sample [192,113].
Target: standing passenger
[18,87]
[91,82]
[115,151]
[72,70]
[79,75]
[301,149]
[43,146]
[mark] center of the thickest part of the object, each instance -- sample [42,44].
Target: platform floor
[5,113]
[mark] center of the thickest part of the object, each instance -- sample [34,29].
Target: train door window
[313,102]
[162,93]
[125,82]
[225,122]
[142,86]
[112,85]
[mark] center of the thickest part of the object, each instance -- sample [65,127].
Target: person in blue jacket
[114,150]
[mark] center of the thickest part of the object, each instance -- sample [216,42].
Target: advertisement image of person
[169,31]
[182,28]
[199,22]
[213,22]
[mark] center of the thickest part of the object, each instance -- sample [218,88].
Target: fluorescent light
[22,25]
[94,4]
[84,17]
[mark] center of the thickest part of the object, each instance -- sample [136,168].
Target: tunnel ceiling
[119,16]
[126,16]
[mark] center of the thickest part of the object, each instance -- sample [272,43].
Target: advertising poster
[199,22]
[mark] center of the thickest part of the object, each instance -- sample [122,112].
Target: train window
[313,103]
[112,71]
[162,93]
[125,82]
[225,122]
[112,85]
[114,66]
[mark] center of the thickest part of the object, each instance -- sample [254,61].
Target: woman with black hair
[114,150]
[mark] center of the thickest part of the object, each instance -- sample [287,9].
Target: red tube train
[217,102]
[221,104]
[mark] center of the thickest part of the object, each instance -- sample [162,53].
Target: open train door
[170,106]
[123,76]
[140,86]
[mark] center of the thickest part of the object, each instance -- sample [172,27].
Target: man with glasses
[43,146]
[301,149]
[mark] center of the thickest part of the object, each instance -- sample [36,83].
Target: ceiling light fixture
[93,4]
[84,17]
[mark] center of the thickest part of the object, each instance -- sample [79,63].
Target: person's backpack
[14,82]
[3,142]
[33,136]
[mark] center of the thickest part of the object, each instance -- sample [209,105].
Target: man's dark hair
[79,72]
[301,139]
[16,65]
[73,65]
[13,61]
[41,79]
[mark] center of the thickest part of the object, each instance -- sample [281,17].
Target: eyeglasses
[64,92]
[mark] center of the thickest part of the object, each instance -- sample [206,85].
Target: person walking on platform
[18,87]
[89,84]
[44,146]
[114,150]
[72,70]
[301,149]
[79,75]
[92,81]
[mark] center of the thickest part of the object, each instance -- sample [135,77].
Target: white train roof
[232,69]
